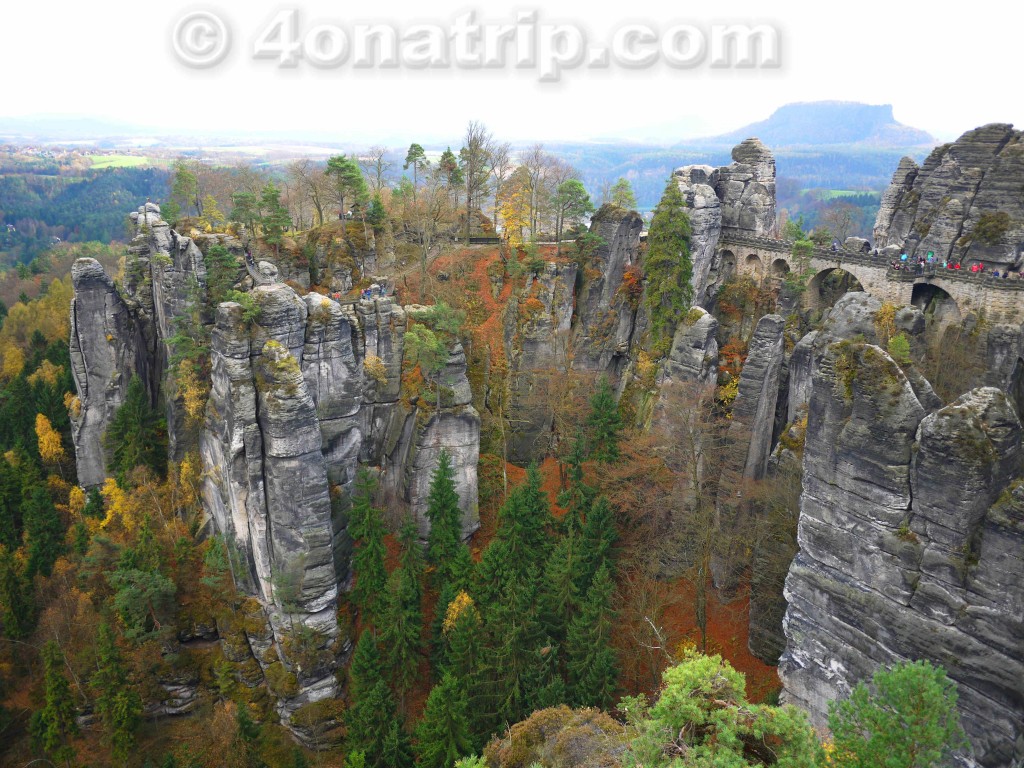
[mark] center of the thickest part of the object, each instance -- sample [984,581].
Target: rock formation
[606,309]
[107,349]
[739,198]
[901,544]
[538,342]
[963,203]
[746,188]
[697,184]
[303,391]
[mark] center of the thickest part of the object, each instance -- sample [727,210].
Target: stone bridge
[954,293]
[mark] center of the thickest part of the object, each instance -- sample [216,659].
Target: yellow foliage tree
[514,206]
[51,449]
[47,373]
[14,361]
[193,392]
[462,602]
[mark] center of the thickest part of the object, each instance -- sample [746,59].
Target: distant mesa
[824,123]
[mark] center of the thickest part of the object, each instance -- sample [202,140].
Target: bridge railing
[908,274]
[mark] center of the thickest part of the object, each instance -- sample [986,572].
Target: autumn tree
[475,160]
[513,205]
[375,165]
[51,446]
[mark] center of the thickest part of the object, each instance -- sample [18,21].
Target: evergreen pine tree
[547,682]
[402,627]
[137,436]
[445,517]
[559,594]
[508,666]
[53,726]
[592,660]
[604,423]
[443,735]
[10,507]
[577,498]
[44,530]
[275,219]
[525,523]
[598,544]
[667,266]
[118,705]
[250,735]
[222,272]
[372,714]
[367,531]
[17,609]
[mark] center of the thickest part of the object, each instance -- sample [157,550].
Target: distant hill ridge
[824,123]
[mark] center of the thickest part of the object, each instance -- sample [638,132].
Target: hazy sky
[113,60]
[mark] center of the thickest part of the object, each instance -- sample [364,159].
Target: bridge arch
[780,268]
[727,264]
[939,307]
[828,285]
[754,267]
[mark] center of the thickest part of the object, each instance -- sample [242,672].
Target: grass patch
[118,161]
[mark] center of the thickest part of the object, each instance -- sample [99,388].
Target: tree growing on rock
[667,266]
[572,203]
[621,194]
[906,718]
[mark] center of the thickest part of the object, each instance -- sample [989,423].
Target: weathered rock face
[753,411]
[606,309]
[300,397]
[107,349]
[964,203]
[901,547]
[746,189]
[697,184]
[694,353]
[165,276]
[538,345]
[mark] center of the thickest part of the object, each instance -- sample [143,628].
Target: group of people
[919,264]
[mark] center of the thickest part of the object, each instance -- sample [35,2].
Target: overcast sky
[113,60]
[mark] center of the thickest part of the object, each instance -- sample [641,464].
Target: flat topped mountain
[822,123]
